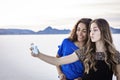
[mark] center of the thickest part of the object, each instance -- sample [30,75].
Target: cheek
[98,36]
[84,35]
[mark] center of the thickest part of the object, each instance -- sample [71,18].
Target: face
[81,32]
[95,34]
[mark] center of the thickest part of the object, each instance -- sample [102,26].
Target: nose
[91,33]
[80,32]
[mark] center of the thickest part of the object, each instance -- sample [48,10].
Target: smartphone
[34,48]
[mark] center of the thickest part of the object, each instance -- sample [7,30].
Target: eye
[84,31]
[95,30]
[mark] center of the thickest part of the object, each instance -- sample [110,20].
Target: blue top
[72,70]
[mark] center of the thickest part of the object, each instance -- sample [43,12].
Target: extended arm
[57,61]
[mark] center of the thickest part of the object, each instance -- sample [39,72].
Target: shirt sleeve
[59,52]
[80,54]
[61,48]
[118,57]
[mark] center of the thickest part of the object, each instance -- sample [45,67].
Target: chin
[81,40]
[93,40]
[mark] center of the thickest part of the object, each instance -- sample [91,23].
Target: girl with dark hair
[76,40]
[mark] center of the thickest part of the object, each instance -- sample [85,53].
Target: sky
[61,14]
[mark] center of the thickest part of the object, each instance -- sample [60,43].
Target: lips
[80,37]
[92,37]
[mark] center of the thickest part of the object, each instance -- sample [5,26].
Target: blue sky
[61,14]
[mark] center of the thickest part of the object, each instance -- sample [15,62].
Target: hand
[33,54]
[62,77]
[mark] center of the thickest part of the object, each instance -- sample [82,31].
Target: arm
[57,61]
[58,67]
[118,72]
[60,73]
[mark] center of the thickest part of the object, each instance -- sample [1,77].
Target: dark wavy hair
[73,35]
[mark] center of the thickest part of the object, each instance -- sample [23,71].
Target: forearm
[59,69]
[56,61]
[49,59]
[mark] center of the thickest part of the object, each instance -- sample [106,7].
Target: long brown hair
[73,35]
[106,37]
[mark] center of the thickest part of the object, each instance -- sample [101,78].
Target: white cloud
[53,12]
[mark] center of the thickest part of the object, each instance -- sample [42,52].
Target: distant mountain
[48,30]
[114,30]
[15,31]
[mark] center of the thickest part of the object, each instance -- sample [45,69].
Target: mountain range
[48,30]
[115,30]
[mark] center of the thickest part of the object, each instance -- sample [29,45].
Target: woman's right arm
[56,61]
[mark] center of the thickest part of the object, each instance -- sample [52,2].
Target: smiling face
[81,32]
[95,33]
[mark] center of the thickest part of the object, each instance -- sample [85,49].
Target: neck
[79,44]
[100,46]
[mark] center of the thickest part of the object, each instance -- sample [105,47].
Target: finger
[61,77]
[64,77]
[31,49]
[33,54]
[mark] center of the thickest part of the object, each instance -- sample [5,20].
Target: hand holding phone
[34,48]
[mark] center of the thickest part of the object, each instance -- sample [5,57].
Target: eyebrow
[94,27]
[83,28]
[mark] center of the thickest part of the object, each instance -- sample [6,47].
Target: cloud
[55,12]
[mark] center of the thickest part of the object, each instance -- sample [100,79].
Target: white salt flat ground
[16,63]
